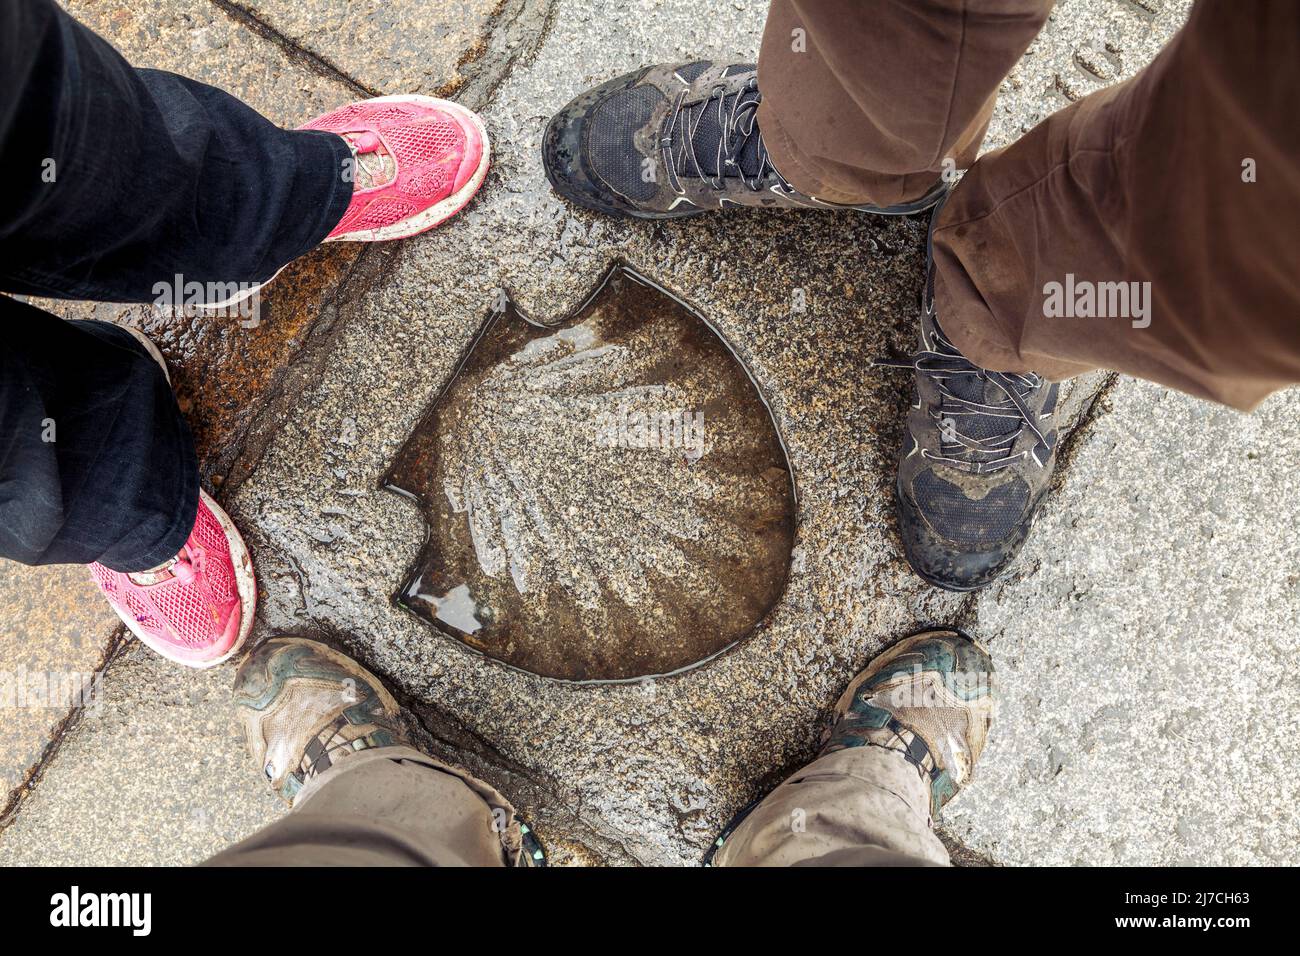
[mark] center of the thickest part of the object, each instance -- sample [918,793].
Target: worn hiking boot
[675,140]
[305,707]
[929,697]
[976,460]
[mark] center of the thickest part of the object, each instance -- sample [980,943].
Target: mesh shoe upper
[412,156]
[613,155]
[191,610]
[970,522]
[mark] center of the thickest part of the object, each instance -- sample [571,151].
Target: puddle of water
[607,498]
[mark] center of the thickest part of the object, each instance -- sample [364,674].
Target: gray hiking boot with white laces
[976,460]
[675,140]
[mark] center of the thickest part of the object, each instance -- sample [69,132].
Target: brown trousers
[1186,177]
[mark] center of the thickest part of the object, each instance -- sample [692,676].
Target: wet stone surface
[224,364]
[388,46]
[1104,751]
[607,498]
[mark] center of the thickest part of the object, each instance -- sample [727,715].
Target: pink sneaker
[198,609]
[419,161]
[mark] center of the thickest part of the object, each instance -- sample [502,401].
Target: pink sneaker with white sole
[196,610]
[419,161]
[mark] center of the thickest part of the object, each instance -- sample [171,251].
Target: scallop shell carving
[607,497]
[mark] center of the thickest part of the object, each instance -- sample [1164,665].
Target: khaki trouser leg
[1146,182]
[388,807]
[863,100]
[862,806]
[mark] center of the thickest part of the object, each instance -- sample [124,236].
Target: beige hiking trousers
[864,806]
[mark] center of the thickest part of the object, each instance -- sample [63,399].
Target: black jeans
[117,180]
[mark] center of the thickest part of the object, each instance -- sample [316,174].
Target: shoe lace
[183,568]
[366,174]
[957,379]
[737,118]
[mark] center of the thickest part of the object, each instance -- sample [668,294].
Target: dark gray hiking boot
[675,140]
[976,460]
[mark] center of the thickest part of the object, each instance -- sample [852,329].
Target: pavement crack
[514,34]
[296,52]
[301,368]
[1083,428]
[117,643]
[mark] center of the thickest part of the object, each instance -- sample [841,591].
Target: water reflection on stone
[607,498]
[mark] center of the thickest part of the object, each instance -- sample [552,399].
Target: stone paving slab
[156,774]
[662,764]
[648,772]
[54,632]
[203,41]
[388,46]
[1148,649]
